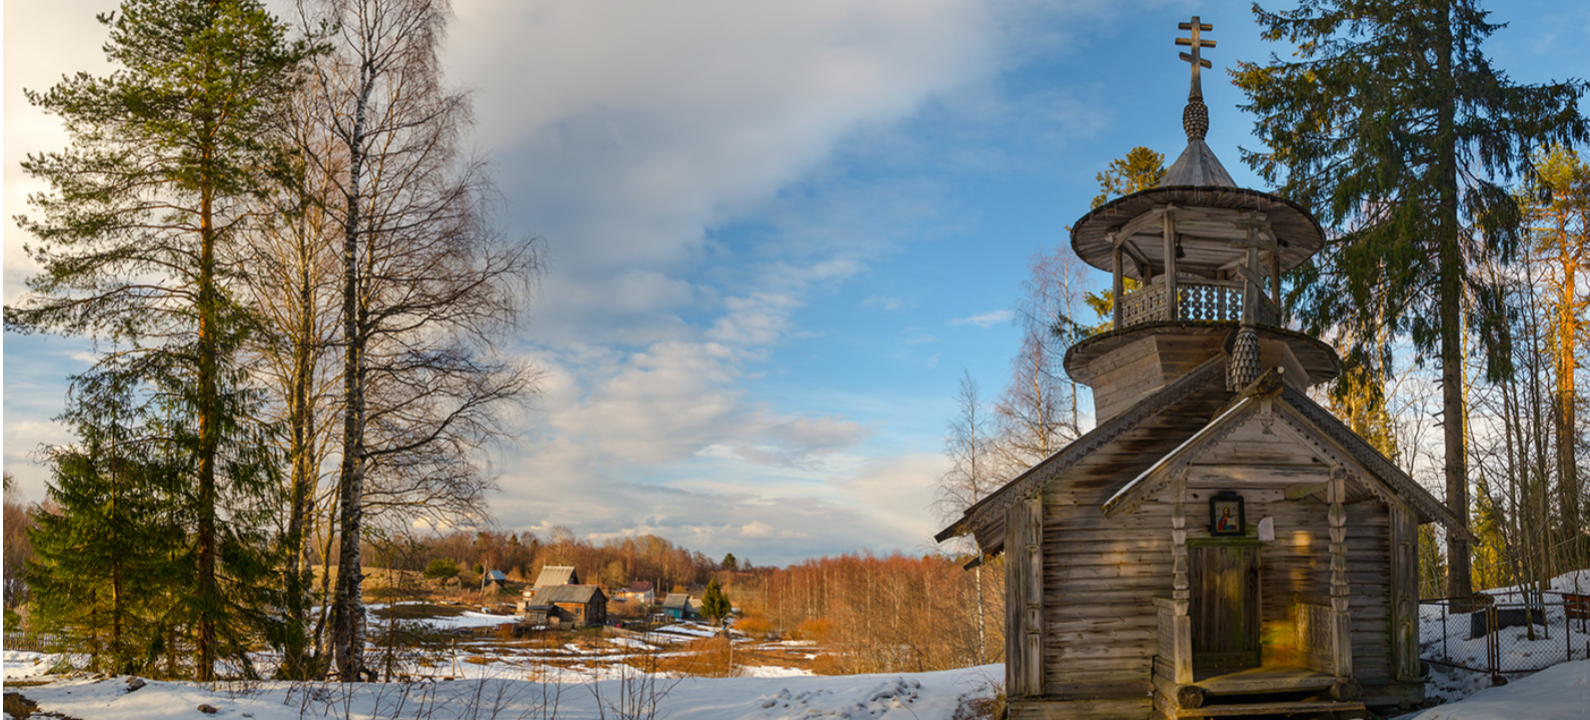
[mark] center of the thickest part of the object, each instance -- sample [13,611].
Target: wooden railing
[1324,640]
[1197,299]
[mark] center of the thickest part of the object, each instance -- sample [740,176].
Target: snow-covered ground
[1557,693]
[924,696]
[1444,635]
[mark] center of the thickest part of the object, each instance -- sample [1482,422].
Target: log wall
[1100,575]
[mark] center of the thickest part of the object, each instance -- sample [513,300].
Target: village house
[680,606]
[1219,544]
[565,605]
[639,591]
[492,581]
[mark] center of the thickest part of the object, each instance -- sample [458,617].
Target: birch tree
[426,286]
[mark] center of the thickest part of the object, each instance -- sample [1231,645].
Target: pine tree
[1139,170]
[1392,126]
[1557,204]
[138,244]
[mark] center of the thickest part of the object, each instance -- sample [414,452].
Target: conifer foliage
[714,604]
[1393,127]
[138,239]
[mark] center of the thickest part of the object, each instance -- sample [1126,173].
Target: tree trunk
[1450,298]
[301,407]
[348,621]
[207,596]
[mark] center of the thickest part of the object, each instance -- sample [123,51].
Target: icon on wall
[1226,514]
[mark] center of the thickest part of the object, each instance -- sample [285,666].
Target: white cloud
[757,529]
[983,320]
[884,303]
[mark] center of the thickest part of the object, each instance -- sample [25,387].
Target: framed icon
[1226,515]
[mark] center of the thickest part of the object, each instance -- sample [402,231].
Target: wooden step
[1274,708]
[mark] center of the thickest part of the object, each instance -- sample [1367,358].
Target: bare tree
[1038,414]
[425,285]
[971,478]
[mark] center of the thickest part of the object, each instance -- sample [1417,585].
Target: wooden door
[1225,606]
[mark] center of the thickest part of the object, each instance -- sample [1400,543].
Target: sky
[776,233]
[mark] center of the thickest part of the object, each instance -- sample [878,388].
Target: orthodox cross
[1197,43]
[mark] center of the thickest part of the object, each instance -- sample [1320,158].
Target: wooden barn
[1219,544]
[566,605]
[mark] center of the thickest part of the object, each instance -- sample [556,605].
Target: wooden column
[1181,586]
[1117,285]
[1032,646]
[1404,593]
[1341,641]
[1251,289]
[1172,306]
[1275,274]
[1024,601]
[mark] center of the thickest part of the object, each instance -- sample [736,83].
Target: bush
[755,625]
[441,568]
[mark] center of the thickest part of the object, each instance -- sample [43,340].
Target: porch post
[1341,623]
[1181,595]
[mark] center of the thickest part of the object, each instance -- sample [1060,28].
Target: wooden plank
[1274,708]
[1015,601]
[1094,709]
[1266,679]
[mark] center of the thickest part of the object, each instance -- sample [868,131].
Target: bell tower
[1206,259]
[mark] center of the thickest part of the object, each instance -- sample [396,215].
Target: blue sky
[776,232]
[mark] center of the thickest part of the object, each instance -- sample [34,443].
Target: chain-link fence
[1506,632]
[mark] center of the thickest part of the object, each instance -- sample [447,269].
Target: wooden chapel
[1220,545]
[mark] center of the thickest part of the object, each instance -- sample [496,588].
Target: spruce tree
[108,562]
[138,240]
[715,604]
[1391,125]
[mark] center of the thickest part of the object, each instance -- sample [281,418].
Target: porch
[1320,683]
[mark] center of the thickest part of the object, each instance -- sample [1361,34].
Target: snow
[1557,693]
[923,696]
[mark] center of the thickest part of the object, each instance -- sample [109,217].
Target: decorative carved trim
[1403,487]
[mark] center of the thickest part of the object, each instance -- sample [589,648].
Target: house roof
[680,600]
[1137,448]
[1298,415]
[582,594]
[495,576]
[640,586]
[557,575]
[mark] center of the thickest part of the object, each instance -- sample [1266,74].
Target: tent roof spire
[1197,165]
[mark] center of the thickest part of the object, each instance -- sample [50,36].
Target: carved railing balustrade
[1197,299]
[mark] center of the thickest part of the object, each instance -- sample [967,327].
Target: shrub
[441,568]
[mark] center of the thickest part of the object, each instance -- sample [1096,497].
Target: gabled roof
[495,576]
[680,600]
[557,575]
[640,586]
[581,594]
[1122,446]
[1295,413]
[1163,430]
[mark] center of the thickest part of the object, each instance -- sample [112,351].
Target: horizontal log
[1097,709]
